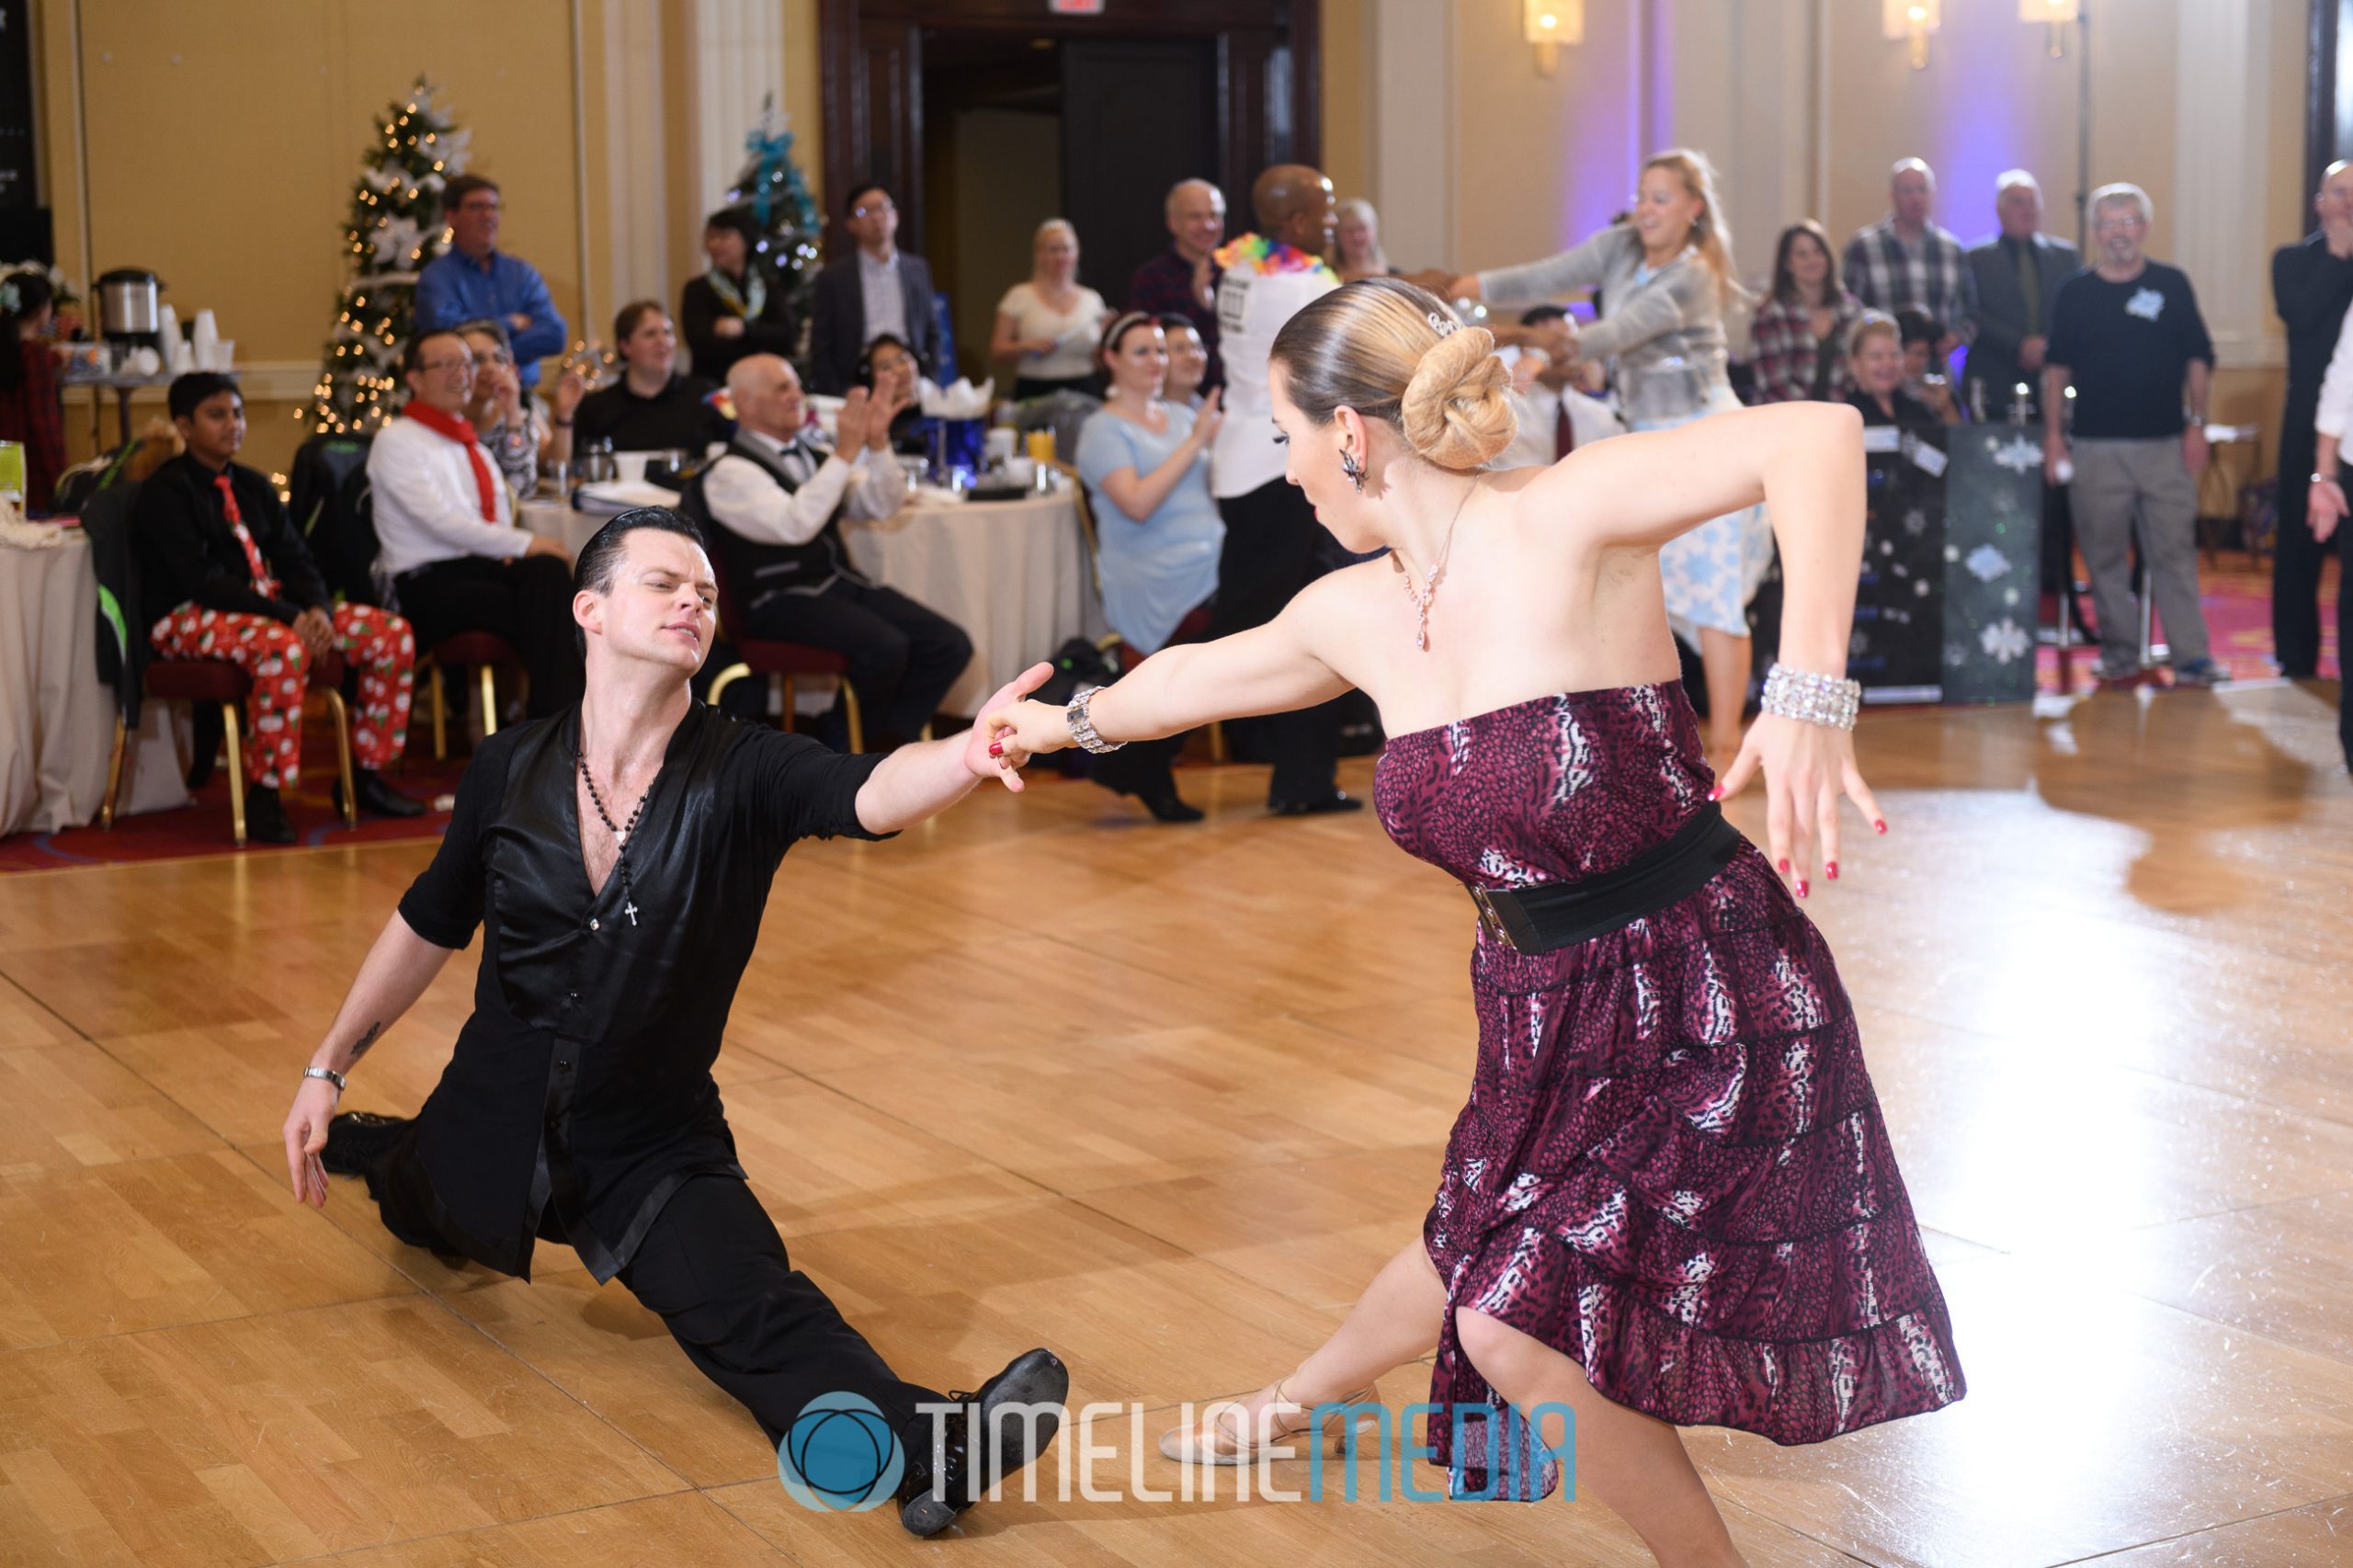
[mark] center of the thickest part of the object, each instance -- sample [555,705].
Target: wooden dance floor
[1162,1098]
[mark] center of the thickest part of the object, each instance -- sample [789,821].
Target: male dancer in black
[618,856]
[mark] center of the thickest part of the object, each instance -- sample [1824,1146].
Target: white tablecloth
[56,715]
[1014,575]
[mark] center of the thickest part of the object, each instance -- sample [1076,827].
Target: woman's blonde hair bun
[1455,412]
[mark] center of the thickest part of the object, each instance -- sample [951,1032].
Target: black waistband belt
[1559,915]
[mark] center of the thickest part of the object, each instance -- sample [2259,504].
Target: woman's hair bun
[1454,411]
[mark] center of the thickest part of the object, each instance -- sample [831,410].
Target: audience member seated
[1924,374]
[887,369]
[1047,327]
[739,305]
[876,289]
[224,572]
[1555,415]
[1799,333]
[1875,360]
[510,426]
[474,279]
[1355,245]
[1188,361]
[1158,535]
[445,527]
[1904,259]
[652,408]
[31,413]
[1177,282]
[777,500]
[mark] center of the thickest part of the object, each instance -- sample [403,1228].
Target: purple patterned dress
[1671,1168]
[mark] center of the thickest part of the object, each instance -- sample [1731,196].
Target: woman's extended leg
[1633,1462]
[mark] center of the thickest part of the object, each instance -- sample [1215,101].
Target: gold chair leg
[723,679]
[228,720]
[114,772]
[343,756]
[1216,741]
[489,700]
[440,714]
[857,719]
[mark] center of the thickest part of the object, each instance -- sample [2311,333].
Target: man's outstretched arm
[394,975]
[922,781]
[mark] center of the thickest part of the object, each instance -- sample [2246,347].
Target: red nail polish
[997,748]
[1717,793]
[1785,867]
[1800,888]
[1880,827]
[1832,869]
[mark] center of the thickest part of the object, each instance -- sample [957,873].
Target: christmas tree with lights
[395,229]
[772,190]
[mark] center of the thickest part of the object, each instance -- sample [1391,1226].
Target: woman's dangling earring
[1353,469]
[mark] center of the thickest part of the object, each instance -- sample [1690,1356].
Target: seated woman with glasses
[512,427]
[652,408]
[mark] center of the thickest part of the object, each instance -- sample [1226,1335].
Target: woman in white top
[1047,327]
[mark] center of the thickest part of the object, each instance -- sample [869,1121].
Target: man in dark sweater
[225,576]
[2312,284]
[2127,334]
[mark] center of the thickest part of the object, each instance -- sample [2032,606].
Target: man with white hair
[1905,261]
[1177,282]
[2128,337]
[2011,280]
[778,498]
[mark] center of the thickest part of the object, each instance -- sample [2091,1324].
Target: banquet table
[1014,575]
[56,715]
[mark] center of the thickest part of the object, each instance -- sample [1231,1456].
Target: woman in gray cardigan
[1664,277]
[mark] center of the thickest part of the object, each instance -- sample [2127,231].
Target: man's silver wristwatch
[1082,728]
[329,1073]
[2322,478]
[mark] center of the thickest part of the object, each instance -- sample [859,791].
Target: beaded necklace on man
[620,835]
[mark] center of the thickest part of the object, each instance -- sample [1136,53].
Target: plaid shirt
[1888,276]
[1782,351]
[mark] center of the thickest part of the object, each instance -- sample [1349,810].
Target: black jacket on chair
[1999,310]
[837,321]
[123,649]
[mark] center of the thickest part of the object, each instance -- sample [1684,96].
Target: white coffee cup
[1021,471]
[631,466]
[999,445]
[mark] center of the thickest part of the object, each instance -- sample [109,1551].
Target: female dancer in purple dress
[1670,1201]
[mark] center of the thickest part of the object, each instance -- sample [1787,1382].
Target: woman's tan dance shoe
[1220,1438]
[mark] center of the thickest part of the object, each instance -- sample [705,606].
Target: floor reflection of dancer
[1664,278]
[617,858]
[1671,1199]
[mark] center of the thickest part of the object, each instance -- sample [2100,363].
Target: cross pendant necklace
[620,835]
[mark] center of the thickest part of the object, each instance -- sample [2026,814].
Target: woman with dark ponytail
[31,415]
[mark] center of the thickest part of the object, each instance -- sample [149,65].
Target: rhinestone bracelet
[1812,699]
[1082,728]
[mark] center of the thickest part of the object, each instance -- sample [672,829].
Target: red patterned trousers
[377,644]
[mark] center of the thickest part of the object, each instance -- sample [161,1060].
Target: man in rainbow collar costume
[1274,546]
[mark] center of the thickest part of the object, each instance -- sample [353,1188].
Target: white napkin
[962,401]
[204,345]
[618,496]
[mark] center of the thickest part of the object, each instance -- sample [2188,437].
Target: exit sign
[1075,7]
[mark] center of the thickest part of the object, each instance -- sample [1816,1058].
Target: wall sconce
[1912,19]
[2058,14]
[1550,24]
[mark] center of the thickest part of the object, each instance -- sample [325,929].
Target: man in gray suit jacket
[875,289]
[2011,280]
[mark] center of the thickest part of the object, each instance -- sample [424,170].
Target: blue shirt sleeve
[1103,449]
[545,335]
[437,305]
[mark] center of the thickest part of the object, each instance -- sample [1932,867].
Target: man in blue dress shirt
[473,279]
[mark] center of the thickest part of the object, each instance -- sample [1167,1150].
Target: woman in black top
[739,306]
[652,408]
[887,368]
[1875,356]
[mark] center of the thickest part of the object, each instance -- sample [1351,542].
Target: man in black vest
[777,499]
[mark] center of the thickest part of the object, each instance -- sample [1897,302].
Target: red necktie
[458,428]
[1565,429]
[264,584]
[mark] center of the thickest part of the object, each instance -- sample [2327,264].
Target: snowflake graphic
[1916,522]
[2005,641]
[1985,563]
[2020,456]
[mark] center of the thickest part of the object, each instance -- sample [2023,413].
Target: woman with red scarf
[447,536]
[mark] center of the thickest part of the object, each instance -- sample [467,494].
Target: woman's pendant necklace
[1423,595]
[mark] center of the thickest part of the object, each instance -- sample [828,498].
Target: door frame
[871,73]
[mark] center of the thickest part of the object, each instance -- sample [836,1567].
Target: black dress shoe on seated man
[376,796]
[359,1142]
[1337,801]
[988,1437]
[266,817]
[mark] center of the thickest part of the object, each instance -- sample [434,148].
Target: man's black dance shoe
[987,1437]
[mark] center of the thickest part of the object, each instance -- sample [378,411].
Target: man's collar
[489,260]
[871,259]
[775,444]
[206,468]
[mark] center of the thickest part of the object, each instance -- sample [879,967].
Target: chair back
[123,649]
[331,505]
